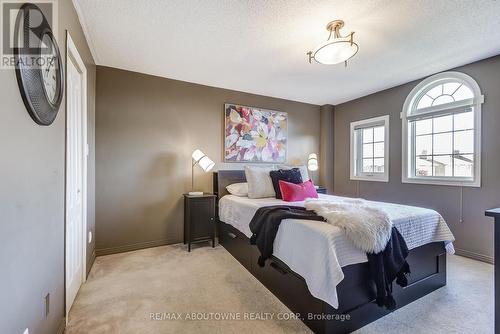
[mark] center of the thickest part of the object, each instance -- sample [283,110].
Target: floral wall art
[254,134]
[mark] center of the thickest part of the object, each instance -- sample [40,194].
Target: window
[442,131]
[370,149]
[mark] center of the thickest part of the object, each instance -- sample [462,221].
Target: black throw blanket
[388,265]
[385,267]
[267,220]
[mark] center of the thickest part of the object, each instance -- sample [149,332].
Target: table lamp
[205,163]
[312,163]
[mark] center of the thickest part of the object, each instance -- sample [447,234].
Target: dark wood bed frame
[356,294]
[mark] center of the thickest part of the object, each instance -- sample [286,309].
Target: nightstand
[321,190]
[199,219]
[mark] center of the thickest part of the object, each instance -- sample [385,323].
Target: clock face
[49,69]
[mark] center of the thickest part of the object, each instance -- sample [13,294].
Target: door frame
[73,55]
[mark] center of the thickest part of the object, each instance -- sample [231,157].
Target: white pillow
[303,171]
[259,181]
[238,189]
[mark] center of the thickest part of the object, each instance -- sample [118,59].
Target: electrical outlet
[47,305]
[26,331]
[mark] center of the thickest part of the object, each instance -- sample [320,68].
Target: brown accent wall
[475,234]
[32,199]
[326,147]
[146,130]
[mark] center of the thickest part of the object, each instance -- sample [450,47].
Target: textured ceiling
[260,46]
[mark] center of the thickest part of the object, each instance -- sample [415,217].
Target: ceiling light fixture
[337,48]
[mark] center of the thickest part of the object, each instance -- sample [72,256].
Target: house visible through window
[441,131]
[369,149]
[444,146]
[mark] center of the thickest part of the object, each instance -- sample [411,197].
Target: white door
[76,146]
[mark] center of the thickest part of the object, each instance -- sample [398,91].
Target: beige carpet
[125,291]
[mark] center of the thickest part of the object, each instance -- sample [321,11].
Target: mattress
[317,250]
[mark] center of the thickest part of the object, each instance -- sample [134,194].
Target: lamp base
[195,193]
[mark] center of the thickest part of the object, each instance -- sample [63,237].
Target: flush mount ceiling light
[337,48]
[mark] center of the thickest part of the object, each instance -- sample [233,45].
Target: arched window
[442,131]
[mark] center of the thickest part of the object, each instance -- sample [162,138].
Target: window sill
[442,182]
[370,178]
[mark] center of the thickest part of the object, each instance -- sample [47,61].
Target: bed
[323,278]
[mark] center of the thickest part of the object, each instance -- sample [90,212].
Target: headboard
[223,178]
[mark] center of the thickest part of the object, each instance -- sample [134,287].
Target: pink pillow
[297,192]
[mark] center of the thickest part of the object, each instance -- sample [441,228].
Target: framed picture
[254,134]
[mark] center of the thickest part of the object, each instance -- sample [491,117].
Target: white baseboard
[475,256]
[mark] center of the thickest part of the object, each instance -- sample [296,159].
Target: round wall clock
[39,68]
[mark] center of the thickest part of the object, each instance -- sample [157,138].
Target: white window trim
[475,103]
[378,177]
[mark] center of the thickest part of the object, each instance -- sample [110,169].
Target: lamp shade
[312,162]
[197,155]
[206,163]
[202,160]
[334,52]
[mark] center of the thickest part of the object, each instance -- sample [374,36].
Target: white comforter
[317,251]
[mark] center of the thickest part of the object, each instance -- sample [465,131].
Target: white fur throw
[368,227]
